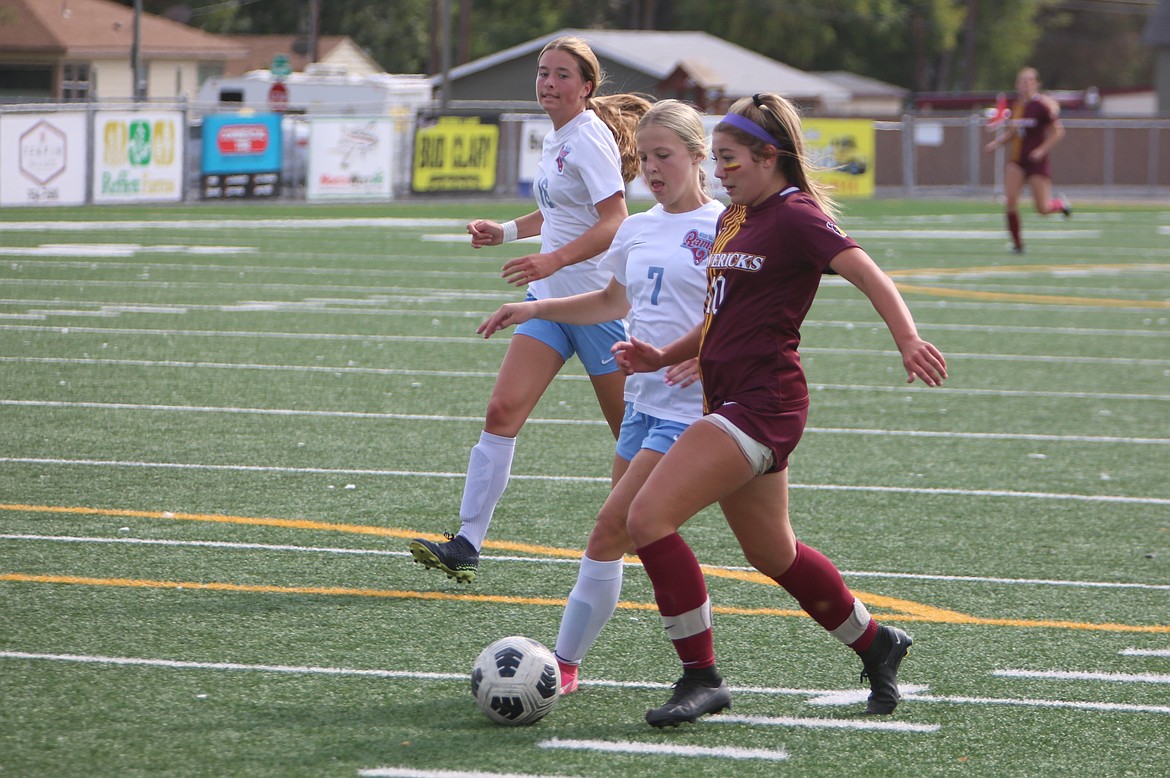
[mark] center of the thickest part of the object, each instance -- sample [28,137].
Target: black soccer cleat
[881,661]
[689,701]
[456,556]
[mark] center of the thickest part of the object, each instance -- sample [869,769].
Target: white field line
[1069,675]
[369,305]
[66,329]
[662,749]
[340,370]
[818,696]
[1146,651]
[816,723]
[814,387]
[543,560]
[1101,498]
[407,772]
[996,235]
[1119,707]
[224,224]
[585,422]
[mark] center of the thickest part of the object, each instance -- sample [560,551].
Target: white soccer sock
[591,603]
[488,470]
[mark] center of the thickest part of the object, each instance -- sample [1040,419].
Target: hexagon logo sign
[43,152]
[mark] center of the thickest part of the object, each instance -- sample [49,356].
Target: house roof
[863,86]
[262,48]
[101,28]
[1157,32]
[713,62]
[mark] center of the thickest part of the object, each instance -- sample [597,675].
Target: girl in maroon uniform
[1032,129]
[771,247]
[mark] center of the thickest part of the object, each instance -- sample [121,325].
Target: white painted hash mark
[629,747]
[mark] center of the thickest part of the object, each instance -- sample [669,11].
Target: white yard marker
[1069,675]
[629,747]
[404,772]
[814,723]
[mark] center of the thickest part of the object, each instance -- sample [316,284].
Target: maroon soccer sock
[681,594]
[817,585]
[1013,220]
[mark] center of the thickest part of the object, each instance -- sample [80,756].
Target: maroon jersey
[1030,121]
[763,274]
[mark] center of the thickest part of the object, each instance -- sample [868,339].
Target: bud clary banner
[457,154]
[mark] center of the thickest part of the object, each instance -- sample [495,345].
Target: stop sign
[278,96]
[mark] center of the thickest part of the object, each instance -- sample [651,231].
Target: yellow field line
[360,529]
[1022,269]
[951,617]
[973,294]
[906,610]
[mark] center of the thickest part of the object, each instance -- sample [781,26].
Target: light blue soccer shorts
[590,342]
[640,431]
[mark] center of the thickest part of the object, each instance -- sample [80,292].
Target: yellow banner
[844,149]
[458,154]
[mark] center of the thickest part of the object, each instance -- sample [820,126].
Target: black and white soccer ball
[516,681]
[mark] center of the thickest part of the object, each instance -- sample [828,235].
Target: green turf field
[222,425]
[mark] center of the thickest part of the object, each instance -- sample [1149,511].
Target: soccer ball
[516,681]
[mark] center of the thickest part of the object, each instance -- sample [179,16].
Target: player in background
[588,158]
[772,245]
[1032,128]
[659,265]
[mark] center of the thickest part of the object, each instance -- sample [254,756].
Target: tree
[925,45]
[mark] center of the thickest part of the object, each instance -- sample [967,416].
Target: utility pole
[138,85]
[445,51]
[314,14]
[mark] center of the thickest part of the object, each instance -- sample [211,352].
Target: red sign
[235,139]
[278,96]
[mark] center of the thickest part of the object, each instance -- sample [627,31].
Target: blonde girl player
[771,247]
[659,265]
[588,158]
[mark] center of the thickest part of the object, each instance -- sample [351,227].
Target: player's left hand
[923,360]
[683,374]
[505,316]
[525,270]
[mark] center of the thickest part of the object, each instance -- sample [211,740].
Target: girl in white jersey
[659,265]
[588,158]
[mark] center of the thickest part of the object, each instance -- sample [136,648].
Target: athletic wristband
[510,232]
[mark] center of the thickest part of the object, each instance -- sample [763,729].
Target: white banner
[42,159]
[532,134]
[350,158]
[138,156]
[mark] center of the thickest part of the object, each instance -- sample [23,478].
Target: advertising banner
[532,132]
[350,158]
[456,154]
[844,148]
[241,155]
[138,156]
[43,158]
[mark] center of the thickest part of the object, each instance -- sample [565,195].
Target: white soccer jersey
[661,259]
[579,167]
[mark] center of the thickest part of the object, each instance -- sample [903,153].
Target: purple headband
[751,128]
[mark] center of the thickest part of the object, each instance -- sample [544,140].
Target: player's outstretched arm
[920,358]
